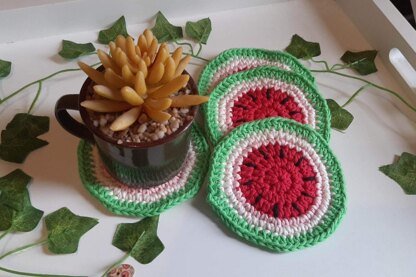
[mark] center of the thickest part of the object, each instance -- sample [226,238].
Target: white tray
[377,236]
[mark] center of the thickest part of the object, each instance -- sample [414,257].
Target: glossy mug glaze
[136,164]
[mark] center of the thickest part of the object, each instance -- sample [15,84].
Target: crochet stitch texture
[261,93]
[240,59]
[135,201]
[277,184]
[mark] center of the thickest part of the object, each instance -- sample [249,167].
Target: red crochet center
[262,103]
[278,181]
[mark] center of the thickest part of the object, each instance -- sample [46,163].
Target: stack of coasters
[273,179]
[129,200]
[276,183]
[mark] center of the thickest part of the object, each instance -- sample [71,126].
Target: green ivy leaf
[28,218]
[199,30]
[5,68]
[146,250]
[6,217]
[13,189]
[303,49]
[110,34]
[19,137]
[72,50]
[65,229]
[362,62]
[164,31]
[403,171]
[340,117]
[139,239]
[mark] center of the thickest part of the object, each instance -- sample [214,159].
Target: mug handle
[70,102]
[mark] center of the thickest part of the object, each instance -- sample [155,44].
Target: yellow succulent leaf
[138,52]
[95,75]
[182,65]
[142,43]
[140,83]
[169,73]
[158,104]
[108,93]
[105,106]
[120,57]
[155,73]
[113,48]
[171,87]
[130,96]
[127,75]
[107,61]
[153,49]
[153,88]
[131,51]
[161,56]
[149,36]
[121,42]
[143,67]
[114,79]
[147,60]
[188,100]
[126,119]
[156,115]
[177,55]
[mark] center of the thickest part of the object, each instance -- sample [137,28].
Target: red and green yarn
[276,183]
[135,201]
[281,182]
[241,59]
[265,92]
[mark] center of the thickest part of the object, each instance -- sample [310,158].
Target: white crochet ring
[237,64]
[241,59]
[287,226]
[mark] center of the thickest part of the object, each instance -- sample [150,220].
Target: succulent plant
[137,79]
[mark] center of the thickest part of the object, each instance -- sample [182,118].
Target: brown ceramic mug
[137,164]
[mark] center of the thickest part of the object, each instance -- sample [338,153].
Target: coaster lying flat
[241,59]
[135,201]
[261,93]
[276,183]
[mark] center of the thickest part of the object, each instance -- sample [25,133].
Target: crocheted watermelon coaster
[135,201]
[261,93]
[277,184]
[241,59]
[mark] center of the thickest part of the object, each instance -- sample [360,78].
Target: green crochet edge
[277,56]
[323,114]
[218,199]
[117,206]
